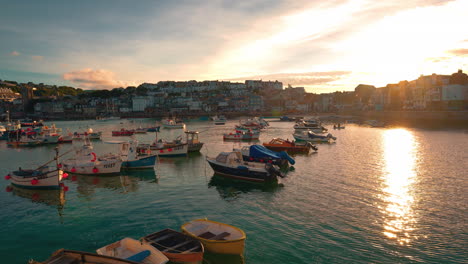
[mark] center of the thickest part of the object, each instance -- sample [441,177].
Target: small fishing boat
[219,120]
[176,246]
[153,129]
[128,153]
[232,165]
[339,126]
[247,129]
[216,237]
[141,130]
[239,135]
[292,147]
[310,136]
[259,153]
[134,250]
[170,123]
[21,138]
[64,256]
[87,162]
[311,125]
[123,133]
[30,123]
[194,145]
[43,177]
[67,138]
[90,134]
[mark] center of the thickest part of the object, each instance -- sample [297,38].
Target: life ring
[94,157]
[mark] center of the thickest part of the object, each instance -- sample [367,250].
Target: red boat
[123,133]
[279,144]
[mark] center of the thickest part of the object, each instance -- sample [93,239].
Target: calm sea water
[379,195]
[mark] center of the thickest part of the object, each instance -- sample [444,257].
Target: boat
[216,237]
[64,256]
[176,246]
[31,123]
[128,153]
[339,126]
[219,120]
[310,136]
[259,153]
[287,118]
[247,129]
[170,123]
[163,149]
[254,123]
[131,249]
[106,118]
[232,165]
[48,135]
[122,133]
[292,147]
[68,138]
[141,130]
[311,124]
[153,129]
[43,177]
[89,134]
[21,138]
[194,145]
[86,162]
[239,135]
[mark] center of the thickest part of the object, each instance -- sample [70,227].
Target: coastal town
[434,93]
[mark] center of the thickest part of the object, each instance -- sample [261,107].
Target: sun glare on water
[400,150]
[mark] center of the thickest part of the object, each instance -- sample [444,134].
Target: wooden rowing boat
[216,237]
[176,246]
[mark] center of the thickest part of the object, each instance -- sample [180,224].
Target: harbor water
[377,195]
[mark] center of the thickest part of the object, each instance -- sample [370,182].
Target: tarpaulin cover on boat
[259,151]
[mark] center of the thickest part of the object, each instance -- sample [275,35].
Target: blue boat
[259,153]
[231,165]
[131,157]
[153,129]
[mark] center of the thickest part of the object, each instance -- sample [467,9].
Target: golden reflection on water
[400,150]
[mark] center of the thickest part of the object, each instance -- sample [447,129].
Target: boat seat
[178,245]
[221,236]
[207,235]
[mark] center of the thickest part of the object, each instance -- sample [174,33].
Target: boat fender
[94,157]
[7,177]
[95,170]
[34,181]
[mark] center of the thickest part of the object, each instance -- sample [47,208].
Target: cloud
[304,78]
[94,79]
[37,57]
[15,53]
[459,52]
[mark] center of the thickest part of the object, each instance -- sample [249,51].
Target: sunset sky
[324,46]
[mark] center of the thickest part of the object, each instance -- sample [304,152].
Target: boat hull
[195,147]
[173,151]
[232,247]
[177,247]
[242,173]
[103,167]
[141,163]
[49,180]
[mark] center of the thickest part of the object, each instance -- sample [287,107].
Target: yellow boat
[216,237]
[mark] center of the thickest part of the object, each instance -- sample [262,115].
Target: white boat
[44,177]
[310,124]
[87,162]
[170,123]
[239,135]
[310,136]
[134,250]
[219,120]
[90,134]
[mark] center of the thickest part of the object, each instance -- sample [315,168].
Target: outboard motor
[274,171]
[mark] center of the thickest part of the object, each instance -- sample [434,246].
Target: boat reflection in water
[54,198]
[400,155]
[127,182]
[231,189]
